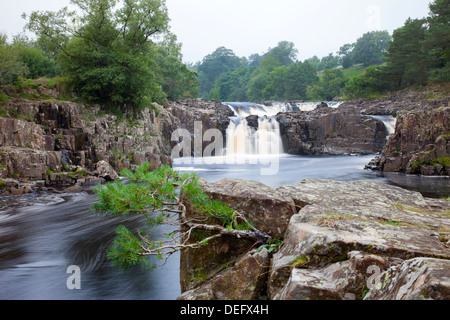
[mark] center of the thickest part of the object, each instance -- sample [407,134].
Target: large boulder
[420,143]
[106,171]
[340,217]
[266,209]
[245,280]
[332,132]
[344,280]
[415,279]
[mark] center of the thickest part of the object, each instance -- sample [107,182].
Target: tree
[329,86]
[346,53]
[161,196]
[298,77]
[438,42]
[106,50]
[407,61]
[222,60]
[177,81]
[370,48]
[11,66]
[285,53]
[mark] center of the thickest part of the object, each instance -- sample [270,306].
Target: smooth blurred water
[43,234]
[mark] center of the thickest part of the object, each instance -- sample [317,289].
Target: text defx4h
[227,309]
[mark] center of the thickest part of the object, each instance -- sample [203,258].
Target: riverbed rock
[365,216]
[327,131]
[261,205]
[54,135]
[245,280]
[420,144]
[414,279]
[186,113]
[106,171]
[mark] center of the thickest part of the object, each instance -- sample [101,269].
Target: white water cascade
[244,138]
[389,123]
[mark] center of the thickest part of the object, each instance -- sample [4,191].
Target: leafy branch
[161,197]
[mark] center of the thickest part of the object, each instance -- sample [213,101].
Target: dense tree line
[278,75]
[415,54]
[122,53]
[113,52]
[418,54]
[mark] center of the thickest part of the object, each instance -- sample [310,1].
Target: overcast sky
[316,27]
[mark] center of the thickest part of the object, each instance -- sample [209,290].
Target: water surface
[43,234]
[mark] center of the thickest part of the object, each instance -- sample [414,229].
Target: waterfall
[389,123]
[261,136]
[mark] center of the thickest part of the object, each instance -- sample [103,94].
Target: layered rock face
[344,241]
[327,131]
[185,114]
[420,144]
[57,137]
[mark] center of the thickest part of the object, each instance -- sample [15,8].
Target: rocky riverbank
[420,143]
[57,144]
[363,240]
[327,131]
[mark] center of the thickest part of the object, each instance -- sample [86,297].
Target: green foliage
[444,161]
[126,251]
[418,53]
[330,85]
[327,62]
[285,53]
[222,60]
[154,194]
[369,83]
[370,48]
[226,77]
[407,61]
[11,66]
[110,56]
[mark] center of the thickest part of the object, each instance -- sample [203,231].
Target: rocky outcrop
[62,142]
[382,220]
[245,280]
[414,279]
[327,131]
[403,101]
[184,114]
[344,241]
[420,144]
[260,205]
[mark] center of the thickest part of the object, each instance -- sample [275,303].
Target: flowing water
[263,138]
[42,234]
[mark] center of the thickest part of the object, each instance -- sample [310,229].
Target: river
[41,235]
